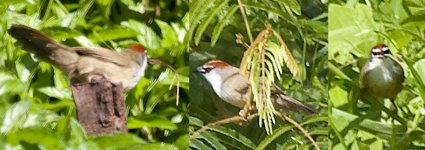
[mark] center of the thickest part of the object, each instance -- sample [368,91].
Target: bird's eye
[386,51]
[207,69]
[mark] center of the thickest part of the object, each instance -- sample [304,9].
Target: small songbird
[382,75]
[81,64]
[233,87]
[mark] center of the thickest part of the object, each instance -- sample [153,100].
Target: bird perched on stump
[81,64]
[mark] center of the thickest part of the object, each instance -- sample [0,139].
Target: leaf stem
[248,30]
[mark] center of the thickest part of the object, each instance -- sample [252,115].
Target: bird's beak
[200,70]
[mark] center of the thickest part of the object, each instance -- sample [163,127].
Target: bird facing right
[81,64]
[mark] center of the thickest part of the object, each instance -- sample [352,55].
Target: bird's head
[212,66]
[216,71]
[380,51]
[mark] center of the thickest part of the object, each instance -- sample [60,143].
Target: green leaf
[419,67]
[196,12]
[344,120]
[234,135]
[222,23]
[293,5]
[416,7]
[211,14]
[351,31]
[168,35]
[105,7]
[158,146]
[276,133]
[15,116]
[315,118]
[118,140]
[419,75]
[41,136]
[112,33]
[284,15]
[195,143]
[338,72]
[11,86]
[147,36]
[212,140]
[150,121]
[56,92]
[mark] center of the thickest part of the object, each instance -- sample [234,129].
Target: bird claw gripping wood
[244,113]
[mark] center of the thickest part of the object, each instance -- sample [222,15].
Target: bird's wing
[103,54]
[235,89]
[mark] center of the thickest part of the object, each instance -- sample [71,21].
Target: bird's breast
[384,77]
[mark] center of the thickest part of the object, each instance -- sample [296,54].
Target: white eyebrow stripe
[208,66]
[385,49]
[376,50]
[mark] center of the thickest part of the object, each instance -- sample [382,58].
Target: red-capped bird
[233,87]
[80,64]
[382,75]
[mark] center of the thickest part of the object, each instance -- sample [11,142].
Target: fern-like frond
[264,61]
[287,55]
[210,15]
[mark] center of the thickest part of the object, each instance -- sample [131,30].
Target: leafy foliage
[215,24]
[35,100]
[354,28]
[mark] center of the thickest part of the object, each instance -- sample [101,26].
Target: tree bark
[100,107]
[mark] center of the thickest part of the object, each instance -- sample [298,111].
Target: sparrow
[382,75]
[81,64]
[233,87]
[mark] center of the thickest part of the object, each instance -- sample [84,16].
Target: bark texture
[100,107]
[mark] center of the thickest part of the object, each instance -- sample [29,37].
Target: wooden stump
[100,107]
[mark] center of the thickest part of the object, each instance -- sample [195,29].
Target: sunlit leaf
[56,93]
[150,121]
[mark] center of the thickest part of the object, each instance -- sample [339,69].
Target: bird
[82,64]
[382,75]
[233,87]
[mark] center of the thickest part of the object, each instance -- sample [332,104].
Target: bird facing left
[233,87]
[81,64]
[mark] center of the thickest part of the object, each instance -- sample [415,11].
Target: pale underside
[384,78]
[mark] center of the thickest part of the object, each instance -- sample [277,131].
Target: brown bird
[81,64]
[233,87]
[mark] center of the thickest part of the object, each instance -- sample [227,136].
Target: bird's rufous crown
[380,46]
[137,48]
[216,63]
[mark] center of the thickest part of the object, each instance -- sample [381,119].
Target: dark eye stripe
[387,52]
[207,68]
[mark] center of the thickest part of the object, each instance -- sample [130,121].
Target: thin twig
[248,30]
[297,125]
[219,122]
[234,119]
[176,76]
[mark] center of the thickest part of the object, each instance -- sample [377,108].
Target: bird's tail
[37,43]
[292,104]
[289,103]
